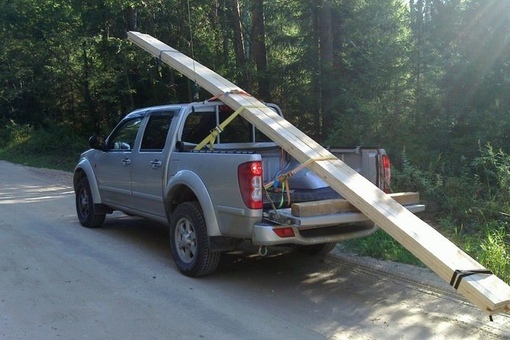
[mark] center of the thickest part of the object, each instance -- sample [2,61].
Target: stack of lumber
[470,278]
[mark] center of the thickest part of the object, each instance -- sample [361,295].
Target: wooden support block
[334,206]
[486,291]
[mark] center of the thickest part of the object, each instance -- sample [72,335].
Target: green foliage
[52,147]
[495,251]
[471,207]
[381,245]
[13,133]
[371,78]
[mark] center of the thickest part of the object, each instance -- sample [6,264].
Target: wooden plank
[488,292]
[334,206]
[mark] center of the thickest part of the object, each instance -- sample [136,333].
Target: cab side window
[124,137]
[198,126]
[155,134]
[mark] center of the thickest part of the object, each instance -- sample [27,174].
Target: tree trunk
[87,95]
[258,49]
[239,45]
[131,16]
[417,14]
[326,65]
[316,83]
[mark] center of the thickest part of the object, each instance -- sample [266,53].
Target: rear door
[148,166]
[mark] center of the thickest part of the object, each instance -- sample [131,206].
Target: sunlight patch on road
[31,194]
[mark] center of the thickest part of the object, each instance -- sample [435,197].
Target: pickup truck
[237,189]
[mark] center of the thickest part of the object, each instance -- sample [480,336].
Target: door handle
[156,164]
[126,161]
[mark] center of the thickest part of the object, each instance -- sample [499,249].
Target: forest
[428,80]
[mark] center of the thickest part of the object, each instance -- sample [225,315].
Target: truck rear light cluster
[386,173]
[250,183]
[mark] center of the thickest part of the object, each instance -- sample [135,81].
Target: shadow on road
[337,297]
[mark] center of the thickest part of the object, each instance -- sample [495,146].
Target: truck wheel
[189,241]
[317,249]
[85,206]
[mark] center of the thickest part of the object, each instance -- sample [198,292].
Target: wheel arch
[186,186]
[84,169]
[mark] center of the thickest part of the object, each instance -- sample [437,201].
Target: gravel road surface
[60,280]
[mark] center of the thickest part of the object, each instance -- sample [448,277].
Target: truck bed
[282,199]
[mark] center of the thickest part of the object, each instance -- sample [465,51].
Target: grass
[382,246]
[55,161]
[491,248]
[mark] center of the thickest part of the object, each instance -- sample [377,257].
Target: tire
[317,249]
[85,206]
[189,241]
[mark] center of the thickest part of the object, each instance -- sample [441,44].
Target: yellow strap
[291,173]
[217,130]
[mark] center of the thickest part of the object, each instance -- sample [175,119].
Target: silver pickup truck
[214,197]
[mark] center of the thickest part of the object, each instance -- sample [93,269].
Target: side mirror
[97,142]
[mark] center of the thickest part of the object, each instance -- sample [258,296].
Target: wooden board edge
[334,206]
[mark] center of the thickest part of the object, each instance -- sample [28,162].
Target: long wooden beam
[469,277]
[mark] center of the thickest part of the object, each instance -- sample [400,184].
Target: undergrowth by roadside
[52,148]
[470,207]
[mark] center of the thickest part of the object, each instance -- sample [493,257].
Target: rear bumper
[317,229]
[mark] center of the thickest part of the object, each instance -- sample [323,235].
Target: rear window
[199,125]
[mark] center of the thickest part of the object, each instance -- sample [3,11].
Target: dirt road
[59,280]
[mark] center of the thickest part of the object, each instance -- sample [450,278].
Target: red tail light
[250,184]
[284,232]
[386,173]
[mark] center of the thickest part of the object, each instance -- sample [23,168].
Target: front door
[113,167]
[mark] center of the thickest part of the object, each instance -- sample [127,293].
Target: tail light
[284,232]
[386,173]
[250,184]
